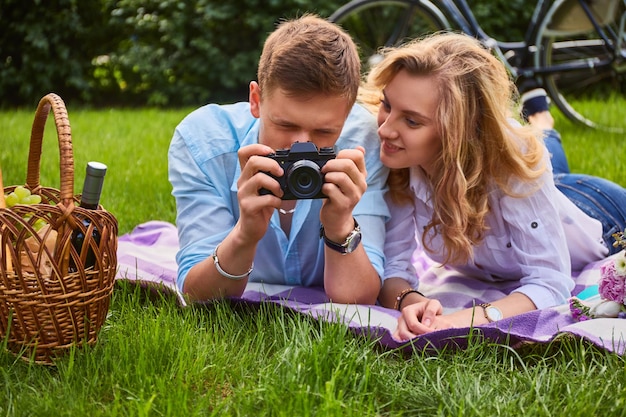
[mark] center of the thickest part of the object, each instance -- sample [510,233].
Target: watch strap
[342,247]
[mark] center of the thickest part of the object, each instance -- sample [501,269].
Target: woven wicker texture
[44,308]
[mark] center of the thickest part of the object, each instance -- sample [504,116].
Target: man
[232,223]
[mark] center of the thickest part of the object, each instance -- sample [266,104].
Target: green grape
[32,199]
[11,199]
[39,223]
[21,192]
[22,195]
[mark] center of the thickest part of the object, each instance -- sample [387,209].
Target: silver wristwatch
[349,245]
[492,313]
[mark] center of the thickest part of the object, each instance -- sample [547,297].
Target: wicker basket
[44,308]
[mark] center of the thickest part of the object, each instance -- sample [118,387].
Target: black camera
[302,177]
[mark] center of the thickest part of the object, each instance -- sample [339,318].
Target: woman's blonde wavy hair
[480,146]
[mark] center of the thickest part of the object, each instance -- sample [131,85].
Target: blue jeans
[597,197]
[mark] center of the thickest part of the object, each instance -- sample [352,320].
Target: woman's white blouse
[536,240]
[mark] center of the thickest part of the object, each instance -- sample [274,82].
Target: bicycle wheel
[380,23]
[590,84]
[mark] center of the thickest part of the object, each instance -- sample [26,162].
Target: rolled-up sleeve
[204,216]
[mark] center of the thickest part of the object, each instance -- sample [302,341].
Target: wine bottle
[90,199]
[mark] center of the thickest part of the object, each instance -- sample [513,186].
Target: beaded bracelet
[226,274]
[403,294]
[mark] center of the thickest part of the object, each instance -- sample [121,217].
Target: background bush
[48,45]
[159,52]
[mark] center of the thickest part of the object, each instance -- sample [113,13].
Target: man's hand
[255,209]
[344,184]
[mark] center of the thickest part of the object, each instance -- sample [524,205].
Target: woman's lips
[389,148]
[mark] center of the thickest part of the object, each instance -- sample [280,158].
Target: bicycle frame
[574,49]
[520,56]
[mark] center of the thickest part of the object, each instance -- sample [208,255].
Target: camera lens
[304,179]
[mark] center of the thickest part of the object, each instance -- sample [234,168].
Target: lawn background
[155,359]
[134,142]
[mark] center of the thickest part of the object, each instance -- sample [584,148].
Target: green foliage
[160,52]
[181,52]
[48,46]
[128,52]
[505,20]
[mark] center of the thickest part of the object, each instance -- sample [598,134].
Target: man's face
[287,119]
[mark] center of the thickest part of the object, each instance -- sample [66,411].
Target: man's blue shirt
[203,171]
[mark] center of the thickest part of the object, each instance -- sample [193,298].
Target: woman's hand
[419,318]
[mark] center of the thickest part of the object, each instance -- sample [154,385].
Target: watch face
[354,241]
[493,313]
[350,244]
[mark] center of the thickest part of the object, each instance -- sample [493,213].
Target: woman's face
[406,122]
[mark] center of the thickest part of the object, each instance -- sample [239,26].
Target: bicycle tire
[374,24]
[595,95]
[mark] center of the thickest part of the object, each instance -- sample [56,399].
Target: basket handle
[66,157]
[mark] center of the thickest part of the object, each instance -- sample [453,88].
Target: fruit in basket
[22,195]
[11,199]
[44,240]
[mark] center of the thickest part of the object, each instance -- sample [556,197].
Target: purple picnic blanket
[147,256]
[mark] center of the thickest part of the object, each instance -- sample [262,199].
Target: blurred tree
[160,52]
[47,46]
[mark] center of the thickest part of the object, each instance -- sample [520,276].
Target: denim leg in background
[597,197]
[552,139]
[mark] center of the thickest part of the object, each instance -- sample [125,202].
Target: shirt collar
[419,184]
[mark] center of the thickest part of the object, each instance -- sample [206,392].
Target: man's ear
[255,99]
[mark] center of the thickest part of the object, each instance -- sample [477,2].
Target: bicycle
[575,49]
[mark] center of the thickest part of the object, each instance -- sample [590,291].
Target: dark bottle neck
[88,206]
[92,188]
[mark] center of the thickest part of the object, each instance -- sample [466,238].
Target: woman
[472,184]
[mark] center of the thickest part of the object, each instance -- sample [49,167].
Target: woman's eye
[412,122]
[385,105]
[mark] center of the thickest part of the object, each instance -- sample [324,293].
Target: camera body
[302,177]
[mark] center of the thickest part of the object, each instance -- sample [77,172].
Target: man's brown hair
[310,55]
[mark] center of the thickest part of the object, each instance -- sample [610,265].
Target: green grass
[155,359]
[133,144]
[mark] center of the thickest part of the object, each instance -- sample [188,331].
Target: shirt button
[534,225]
[508,245]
